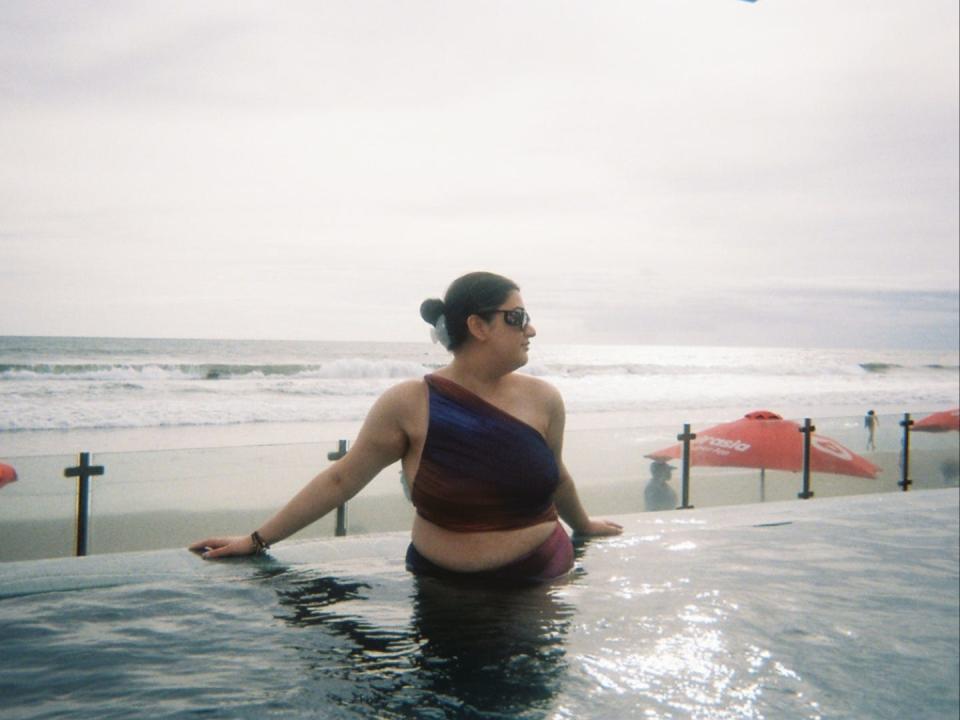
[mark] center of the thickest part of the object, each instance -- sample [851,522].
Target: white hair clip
[439,334]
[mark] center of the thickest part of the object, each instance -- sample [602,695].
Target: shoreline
[30,443]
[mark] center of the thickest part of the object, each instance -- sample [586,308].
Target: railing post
[341,529]
[807,431]
[685,437]
[83,472]
[905,480]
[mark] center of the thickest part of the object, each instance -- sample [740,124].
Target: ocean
[59,393]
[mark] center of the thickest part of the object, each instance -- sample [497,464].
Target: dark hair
[467,296]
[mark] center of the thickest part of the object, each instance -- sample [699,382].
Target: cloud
[223,168]
[784,317]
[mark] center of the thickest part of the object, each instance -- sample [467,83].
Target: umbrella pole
[685,438]
[905,481]
[763,484]
[807,431]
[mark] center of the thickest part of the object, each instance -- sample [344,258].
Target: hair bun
[431,310]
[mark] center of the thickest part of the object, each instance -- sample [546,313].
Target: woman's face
[512,329]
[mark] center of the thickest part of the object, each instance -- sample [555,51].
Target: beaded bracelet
[259,545]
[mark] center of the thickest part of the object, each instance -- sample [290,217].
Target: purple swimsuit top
[481,469]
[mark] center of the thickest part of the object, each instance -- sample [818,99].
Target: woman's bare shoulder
[406,394]
[400,407]
[539,390]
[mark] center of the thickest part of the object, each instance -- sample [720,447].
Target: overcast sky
[649,171]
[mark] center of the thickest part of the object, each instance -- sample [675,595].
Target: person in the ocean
[658,495]
[480,444]
[870,421]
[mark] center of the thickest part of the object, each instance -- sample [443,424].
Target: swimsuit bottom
[549,561]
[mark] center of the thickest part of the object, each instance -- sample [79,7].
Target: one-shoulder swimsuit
[483,469]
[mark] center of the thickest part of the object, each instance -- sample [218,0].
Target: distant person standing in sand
[658,495]
[870,422]
[480,444]
[950,471]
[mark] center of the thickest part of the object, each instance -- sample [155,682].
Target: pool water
[833,608]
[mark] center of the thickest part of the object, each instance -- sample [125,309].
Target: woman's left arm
[567,500]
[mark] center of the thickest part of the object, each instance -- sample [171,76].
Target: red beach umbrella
[7,474]
[764,440]
[943,421]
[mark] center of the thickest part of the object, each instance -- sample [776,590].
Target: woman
[482,444]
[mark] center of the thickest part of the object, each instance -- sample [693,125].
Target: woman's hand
[213,548]
[596,528]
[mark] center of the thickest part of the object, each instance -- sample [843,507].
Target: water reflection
[496,651]
[405,646]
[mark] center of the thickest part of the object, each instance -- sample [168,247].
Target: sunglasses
[518,317]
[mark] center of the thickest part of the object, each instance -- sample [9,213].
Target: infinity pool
[834,608]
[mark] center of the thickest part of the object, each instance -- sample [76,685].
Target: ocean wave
[882,367]
[782,370]
[373,369]
[183,383]
[346,369]
[879,367]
